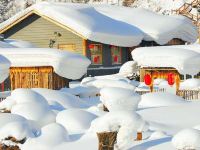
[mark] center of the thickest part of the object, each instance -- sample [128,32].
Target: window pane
[96,53]
[116,55]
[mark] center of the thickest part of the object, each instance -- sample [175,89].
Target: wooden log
[107,140]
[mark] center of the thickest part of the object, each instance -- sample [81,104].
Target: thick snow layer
[125,122]
[190,84]
[15,126]
[75,121]
[86,21]
[19,43]
[187,139]
[128,69]
[51,136]
[65,64]
[61,100]
[159,99]
[184,60]
[156,27]
[30,105]
[4,68]
[116,99]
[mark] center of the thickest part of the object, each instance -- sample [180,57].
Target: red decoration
[115,59]
[96,59]
[171,79]
[147,79]
[2,87]
[91,46]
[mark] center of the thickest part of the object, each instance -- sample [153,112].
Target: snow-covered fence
[189,94]
[145,92]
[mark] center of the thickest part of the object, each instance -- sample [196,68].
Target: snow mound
[125,122]
[75,120]
[12,125]
[158,99]
[157,135]
[190,84]
[60,100]
[187,139]
[128,69]
[116,99]
[51,136]
[64,63]
[184,60]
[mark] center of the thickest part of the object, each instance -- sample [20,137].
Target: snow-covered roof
[86,22]
[156,27]
[65,64]
[186,61]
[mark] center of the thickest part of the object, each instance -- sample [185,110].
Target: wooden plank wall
[36,77]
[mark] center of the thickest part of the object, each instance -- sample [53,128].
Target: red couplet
[147,79]
[171,79]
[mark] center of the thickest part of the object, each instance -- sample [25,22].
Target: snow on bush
[126,123]
[158,99]
[30,105]
[60,100]
[190,84]
[16,126]
[116,99]
[75,120]
[128,69]
[187,139]
[51,136]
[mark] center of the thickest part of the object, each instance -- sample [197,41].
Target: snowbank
[86,22]
[184,60]
[159,99]
[125,122]
[128,69]
[187,139]
[190,84]
[51,136]
[60,100]
[4,68]
[116,99]
[156,27]
[75,121]
[65,64]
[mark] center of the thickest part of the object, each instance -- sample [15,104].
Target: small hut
[43,68]
[161,61]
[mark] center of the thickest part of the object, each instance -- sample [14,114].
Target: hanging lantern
[171,79]
[95,59]
[115,59]
[147,79]
[91,46]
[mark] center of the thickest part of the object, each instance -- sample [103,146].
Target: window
[67,47]
[116,55]
[96,53]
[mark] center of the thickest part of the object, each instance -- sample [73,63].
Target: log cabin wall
[36,77]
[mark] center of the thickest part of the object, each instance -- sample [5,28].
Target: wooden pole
[139,136]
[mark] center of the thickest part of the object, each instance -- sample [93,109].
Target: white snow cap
[187,139]
[184,60]
[125,122]
[4,68]
[65,64]
[156,27]
[86,21]
[116,99]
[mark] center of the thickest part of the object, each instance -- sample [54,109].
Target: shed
[43,68]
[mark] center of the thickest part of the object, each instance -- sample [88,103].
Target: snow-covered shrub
[187,139]
[190,84]
[126,123]
[75,120]
[128,69]
[116,99]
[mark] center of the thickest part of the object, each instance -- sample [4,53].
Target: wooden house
[42,68]
[84,30]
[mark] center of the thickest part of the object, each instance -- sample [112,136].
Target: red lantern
[95,59]
[171,79]
[115,59]
[147,79]
[91,46]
